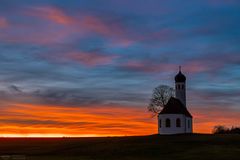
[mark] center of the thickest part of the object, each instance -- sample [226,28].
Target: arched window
[183,86]
[178,86]
[178,122]
[168,123]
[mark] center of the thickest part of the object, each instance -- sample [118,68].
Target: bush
[224,130]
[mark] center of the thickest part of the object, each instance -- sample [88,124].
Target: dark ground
[177,147]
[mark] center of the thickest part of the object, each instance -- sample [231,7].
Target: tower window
[189,123]
[178,122]
[168,123]
[182,86]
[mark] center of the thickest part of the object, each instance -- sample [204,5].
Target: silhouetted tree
[219,129]
[235,130]
[159,99]
[224,130]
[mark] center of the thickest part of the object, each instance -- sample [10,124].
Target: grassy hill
[177,147]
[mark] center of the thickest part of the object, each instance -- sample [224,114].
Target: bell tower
[180,87]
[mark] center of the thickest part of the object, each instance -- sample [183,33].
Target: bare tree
[160,97]
[220,129]
[225,130]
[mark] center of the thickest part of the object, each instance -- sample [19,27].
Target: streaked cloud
[50,13]
[81,23]
[204,123]
[90,59]
[3,22]
[92,120]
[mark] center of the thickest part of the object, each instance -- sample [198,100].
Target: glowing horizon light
[59,121]
[52,135]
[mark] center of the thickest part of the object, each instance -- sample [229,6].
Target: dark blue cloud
[134,46]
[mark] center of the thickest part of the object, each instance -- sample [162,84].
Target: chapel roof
[175,106]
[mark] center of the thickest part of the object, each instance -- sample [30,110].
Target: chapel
[175,117]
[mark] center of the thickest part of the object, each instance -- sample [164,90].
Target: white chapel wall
[173,129]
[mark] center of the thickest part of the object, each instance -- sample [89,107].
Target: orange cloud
[80,23]
[25,119]
[51,13]
[91,59]
[3,22]
[208,117]
[35,34]
[60,27]
[42,120]
[95,24]
[88,59]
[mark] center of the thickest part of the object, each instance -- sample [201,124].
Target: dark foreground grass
[177,147]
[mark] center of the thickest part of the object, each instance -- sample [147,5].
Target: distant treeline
[224,130]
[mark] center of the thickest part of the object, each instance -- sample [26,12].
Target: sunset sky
[88,67]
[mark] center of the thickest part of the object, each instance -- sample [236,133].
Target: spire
[180,77]
[180,85]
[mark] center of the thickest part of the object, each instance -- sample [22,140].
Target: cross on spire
[180,68]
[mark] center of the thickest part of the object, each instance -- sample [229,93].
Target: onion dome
[180,77]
